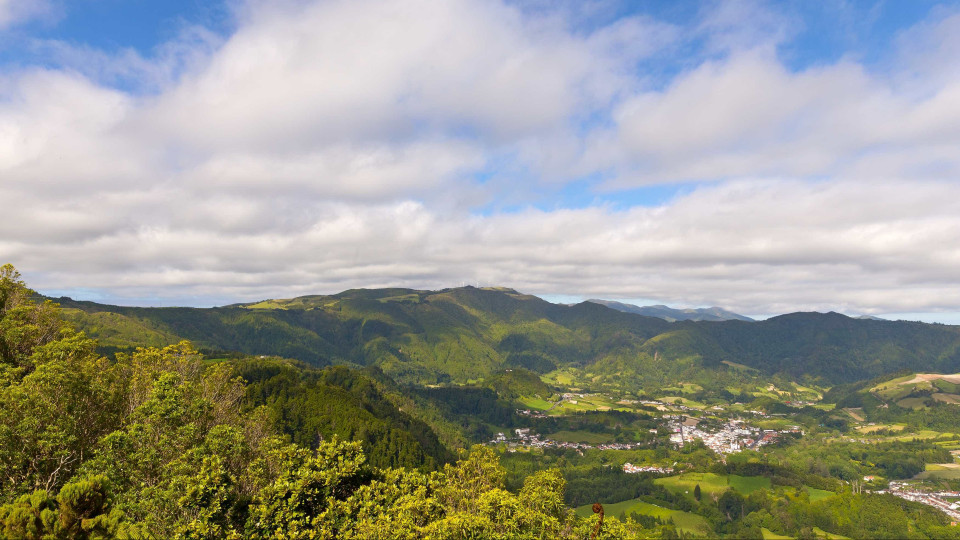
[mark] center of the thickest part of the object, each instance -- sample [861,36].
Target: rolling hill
[467,334]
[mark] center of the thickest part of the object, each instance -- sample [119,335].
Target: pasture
[684,521]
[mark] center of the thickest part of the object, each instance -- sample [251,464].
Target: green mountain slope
[468,334]
[314,405]
[838,348]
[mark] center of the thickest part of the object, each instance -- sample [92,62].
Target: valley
[732,437]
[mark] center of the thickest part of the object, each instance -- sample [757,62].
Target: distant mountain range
[671,314]
[467,334]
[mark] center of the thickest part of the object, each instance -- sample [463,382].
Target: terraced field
[910,391]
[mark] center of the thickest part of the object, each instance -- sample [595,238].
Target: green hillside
[467,334]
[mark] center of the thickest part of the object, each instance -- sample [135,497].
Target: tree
[55,415]
[696,492]
[731,504]
[303,487]
[81,510]
[24,324]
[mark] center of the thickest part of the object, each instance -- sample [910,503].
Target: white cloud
[753,246]
[17,11]
[345,71]
[747,115]
[328,145]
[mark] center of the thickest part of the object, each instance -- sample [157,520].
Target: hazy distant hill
[467,334]
[671,314]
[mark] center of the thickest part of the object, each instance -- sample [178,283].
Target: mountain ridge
[465,334]
[674,314]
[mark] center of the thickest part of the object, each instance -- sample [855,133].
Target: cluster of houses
[934,499]
[531,413]
[733,436]
[524,437]
[633,469]
[799,404]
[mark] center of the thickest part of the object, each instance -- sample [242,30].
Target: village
[935,499]
[525,438]
[733,436]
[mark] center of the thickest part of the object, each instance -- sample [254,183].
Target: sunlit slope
[466,334]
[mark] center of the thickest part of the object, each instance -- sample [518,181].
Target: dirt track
[926,377]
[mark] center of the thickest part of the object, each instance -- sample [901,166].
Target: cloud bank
[328,145]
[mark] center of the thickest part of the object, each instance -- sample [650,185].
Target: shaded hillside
[313,405]
[836,347]
[467,334]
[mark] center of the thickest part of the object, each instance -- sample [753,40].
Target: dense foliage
[313,405]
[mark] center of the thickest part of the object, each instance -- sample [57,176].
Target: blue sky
[762,156]
[112,25]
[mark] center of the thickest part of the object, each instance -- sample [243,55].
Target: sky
[767,157]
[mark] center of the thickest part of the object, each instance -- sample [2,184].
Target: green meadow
[685,521]
[713,484]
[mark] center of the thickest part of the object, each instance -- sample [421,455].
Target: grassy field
[820,532]
[748,484]
[926,434]
[947,398]
[940,471]
[878,427]
[683,388]
[267,304]
[818,494]
[856,414]
[913,403]
[774,423]
[562,377]
[770,535]
[741,367]
[903,386]
[594,402]
[949,445]
[536,403]
[685,521]
[591,402]
[713,484]
[942,466]
[683,401]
